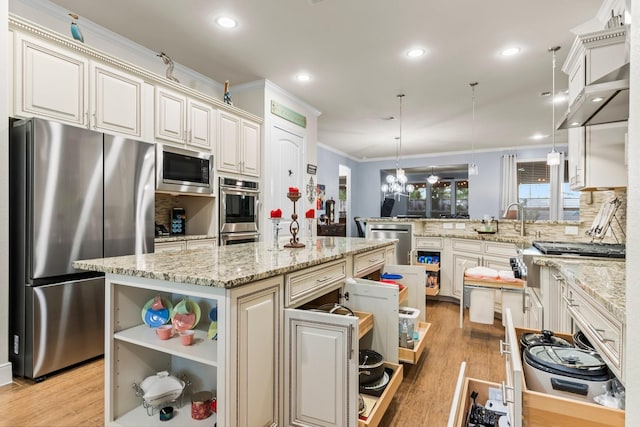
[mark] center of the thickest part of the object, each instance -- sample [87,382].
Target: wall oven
[183,171]
[238,211]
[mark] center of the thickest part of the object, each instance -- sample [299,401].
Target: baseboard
[6,374]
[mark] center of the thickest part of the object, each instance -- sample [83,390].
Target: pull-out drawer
[529,408]
[307,284]
[368,262]
[604,333]
[381,403]
[467,245]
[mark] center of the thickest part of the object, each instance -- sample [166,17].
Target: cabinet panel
[308,283]
[117,104]
[460,263]
[368,262]
[250,148]
[170,115]
[200,124]
[228,147]
[52,82]
[467,245]
[256,324]
[429,242]
[320,369]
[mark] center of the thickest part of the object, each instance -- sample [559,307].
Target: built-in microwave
[183,171]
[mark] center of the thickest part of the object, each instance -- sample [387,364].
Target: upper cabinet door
[228,147]
[117,101]
[200,124]
[171,115]
[50,82]
[250,148]
[321,369]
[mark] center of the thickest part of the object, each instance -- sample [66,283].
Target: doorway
[344,196]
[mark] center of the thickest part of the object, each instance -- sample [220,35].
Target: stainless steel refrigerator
[74,194]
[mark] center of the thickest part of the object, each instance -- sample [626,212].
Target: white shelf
[181,417]
[203,350]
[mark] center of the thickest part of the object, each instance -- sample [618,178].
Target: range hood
[606,100]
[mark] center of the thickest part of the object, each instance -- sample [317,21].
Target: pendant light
[432,179]
[397,184]
[553,157]
[473,167]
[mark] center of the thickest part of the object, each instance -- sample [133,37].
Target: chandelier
[553,157]
[397,184]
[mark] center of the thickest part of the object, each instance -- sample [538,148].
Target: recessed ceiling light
[414,53]
[539,136]
[597,99]
[303,77]
[510,51]
[226,22]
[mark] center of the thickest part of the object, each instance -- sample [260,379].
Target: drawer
[429,242]
[368,262]
[536,409]
[202,243]
[411,355]
[467,245]
[604,333]
[382,402]
[309,283]
[169,246]
[500,249]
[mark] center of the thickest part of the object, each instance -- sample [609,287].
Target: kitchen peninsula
[255,290]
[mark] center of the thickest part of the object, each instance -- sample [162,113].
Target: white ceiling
[355,52]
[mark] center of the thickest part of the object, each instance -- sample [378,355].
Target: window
[534,191]
[449,199]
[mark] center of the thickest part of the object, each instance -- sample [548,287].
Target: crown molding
[592,40]
[23,25]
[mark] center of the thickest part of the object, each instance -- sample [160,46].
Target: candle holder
[294,227]
[275,223]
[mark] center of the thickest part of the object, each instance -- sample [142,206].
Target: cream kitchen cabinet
[183,120]
[527,407]
[202,243]
[238,148]
[593,149]
[59,84]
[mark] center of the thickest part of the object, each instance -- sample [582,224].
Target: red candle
[310,213]
[293,190]
[276,213]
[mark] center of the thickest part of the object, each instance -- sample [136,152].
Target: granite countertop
[232,265]
[602,280]
[182,237]
[468,220]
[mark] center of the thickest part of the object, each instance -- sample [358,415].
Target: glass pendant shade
[473,169]
[553,158]
[397,184]
[432,179]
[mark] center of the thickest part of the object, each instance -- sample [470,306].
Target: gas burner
[604,250]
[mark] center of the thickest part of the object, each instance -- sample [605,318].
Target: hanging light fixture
[397,184]
[432,179]
[553,157]
[473,167]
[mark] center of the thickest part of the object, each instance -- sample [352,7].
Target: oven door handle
[237,236]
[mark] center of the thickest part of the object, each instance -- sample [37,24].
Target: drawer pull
[323,279]
[569,302]
[506,388]
[558,277]
[505,348]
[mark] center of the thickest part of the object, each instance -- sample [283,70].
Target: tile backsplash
[164,204]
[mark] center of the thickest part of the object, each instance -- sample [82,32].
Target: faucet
[520,214]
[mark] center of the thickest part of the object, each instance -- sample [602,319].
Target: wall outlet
[460,225]
[447,226]
[571,230]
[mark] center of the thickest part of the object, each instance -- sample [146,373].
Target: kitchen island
[254,290]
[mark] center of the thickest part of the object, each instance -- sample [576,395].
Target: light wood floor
[75,397]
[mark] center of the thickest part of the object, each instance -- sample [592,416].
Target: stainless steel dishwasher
[402,232]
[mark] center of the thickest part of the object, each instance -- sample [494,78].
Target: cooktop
[606,250]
